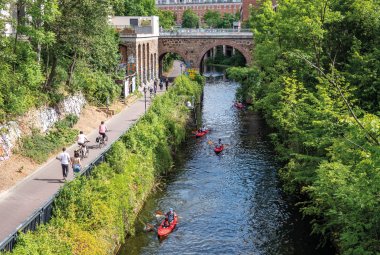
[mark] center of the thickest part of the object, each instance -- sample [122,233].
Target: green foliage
[39,146]
[92,215]
[235,60]
[190,19]
[214,19]
[20,88]
[167,19]
[135,8]
[168,61]
[96,84]
[315,79]
[61,36]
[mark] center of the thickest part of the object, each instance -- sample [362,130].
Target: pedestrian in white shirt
[65,159]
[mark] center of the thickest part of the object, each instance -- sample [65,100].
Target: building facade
[200,7]
[139,47]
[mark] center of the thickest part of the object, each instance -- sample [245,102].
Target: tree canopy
[190,19]
[316,81]
[214,19]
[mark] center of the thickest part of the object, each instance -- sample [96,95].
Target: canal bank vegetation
[316,81]
[92,215]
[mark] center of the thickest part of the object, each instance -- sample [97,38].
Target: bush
[39,147]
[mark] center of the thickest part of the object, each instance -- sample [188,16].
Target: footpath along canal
[229,203]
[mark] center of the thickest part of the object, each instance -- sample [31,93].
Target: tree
[190,19]
[212,18]
[228,20]
[135,7]
[167,19]
[316,81]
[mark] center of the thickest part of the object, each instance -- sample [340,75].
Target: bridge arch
[245,51]
[163,53]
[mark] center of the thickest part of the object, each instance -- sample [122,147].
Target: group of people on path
[159,83]
[75,162]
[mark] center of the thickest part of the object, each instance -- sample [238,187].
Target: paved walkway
[21,201]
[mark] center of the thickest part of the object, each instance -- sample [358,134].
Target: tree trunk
[50,79]
[70,70]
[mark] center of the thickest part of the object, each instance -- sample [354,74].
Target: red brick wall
[201,9]
[246,7]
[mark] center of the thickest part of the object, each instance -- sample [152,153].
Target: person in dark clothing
[219,144]
[166,223]
[166,83]
[155,86]
[161,85]
[170,215]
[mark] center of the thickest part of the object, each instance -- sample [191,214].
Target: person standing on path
[64,157]
[155,86]
[76,164]
[166,83]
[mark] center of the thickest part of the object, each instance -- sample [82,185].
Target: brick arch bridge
[192,45]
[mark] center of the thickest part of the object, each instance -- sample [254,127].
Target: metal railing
[205,31]
[44,213]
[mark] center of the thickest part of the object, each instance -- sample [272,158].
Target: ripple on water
[228,203]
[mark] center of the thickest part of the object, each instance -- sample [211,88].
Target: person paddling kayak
[166,222]
[219,143]
[219,146]
[170,215]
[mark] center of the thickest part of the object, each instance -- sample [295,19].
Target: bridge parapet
[189,32]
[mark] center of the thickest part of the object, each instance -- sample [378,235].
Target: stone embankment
[41,119]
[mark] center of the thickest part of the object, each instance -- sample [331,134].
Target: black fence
[44,214]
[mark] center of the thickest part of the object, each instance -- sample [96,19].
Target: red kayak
[219,149]
[200,134]
[161,231]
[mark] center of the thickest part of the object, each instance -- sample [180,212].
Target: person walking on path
[161,84]
[77,166]
[166,83]
[155,86]
[64,157]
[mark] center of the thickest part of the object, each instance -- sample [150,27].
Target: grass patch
[39,147]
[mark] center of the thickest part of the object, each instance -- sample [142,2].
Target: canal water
[229,203]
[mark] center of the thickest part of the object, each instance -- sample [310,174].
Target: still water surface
[229,203]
